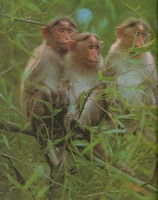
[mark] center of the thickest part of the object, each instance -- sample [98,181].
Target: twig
[23,20]
[131,8]
[87,96]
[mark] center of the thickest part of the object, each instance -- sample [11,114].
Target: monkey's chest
[53,78]
[79,86]
[129,76]
[130,84]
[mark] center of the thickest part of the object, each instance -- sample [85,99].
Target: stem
[89,93]
[23,20]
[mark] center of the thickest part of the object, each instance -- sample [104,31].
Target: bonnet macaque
[81,83]
[83,61]
[42,76]
[134,72]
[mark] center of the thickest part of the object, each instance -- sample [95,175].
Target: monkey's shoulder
[44,57]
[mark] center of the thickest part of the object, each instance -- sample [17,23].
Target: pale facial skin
[62,34]
[89,52]
[136,35]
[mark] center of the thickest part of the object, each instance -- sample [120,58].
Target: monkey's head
[86,48]
[133,33]
[59,32]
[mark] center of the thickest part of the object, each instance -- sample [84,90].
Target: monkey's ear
[44,31]
[72,45]
[119,32]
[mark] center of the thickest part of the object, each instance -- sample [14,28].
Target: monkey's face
[136,36]
[90,52]
[61,34]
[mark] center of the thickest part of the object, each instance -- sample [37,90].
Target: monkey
[42,76]
[130,69]
[134,73]
[82,63]
[81,83]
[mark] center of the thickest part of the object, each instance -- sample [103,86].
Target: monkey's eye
[144,35]
[97,47]
[90,47]
[70,31]
[61,30]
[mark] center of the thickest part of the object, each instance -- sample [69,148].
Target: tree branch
[23,20]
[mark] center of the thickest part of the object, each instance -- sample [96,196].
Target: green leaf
[5,141]
[80,143]
[117,131]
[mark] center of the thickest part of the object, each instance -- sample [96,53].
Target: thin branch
[23,20]
[131,8]
[6,71]
[87,96]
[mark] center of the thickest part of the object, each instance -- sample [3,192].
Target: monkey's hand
[62,100]
[48,94]
[69,118]
[63,94]
[36,103]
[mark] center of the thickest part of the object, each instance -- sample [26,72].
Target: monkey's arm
[63,94]
[33,74]
[152,85]
[109,64]
[33,88]
[151,80]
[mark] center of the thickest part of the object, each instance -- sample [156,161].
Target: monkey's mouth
[66,43]
[62,44]
[91,61]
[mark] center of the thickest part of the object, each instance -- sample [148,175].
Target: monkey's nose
[67,37]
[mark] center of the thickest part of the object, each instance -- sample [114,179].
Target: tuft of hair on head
[133,21]
[56,21]
[85,36]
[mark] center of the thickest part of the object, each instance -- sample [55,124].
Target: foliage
[82,176]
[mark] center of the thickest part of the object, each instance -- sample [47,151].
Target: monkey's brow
[95,43]
[85,37]
[132,24]
[62,26]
